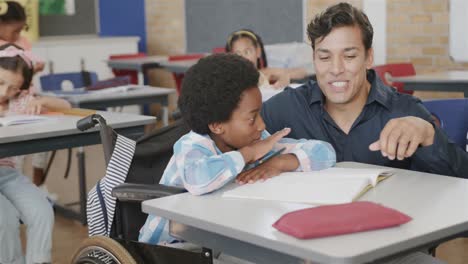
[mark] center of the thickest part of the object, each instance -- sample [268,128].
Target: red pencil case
[331,220]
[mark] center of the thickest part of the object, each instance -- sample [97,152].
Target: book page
[12,120]
[330,186]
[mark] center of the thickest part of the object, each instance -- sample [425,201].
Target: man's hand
[402,136]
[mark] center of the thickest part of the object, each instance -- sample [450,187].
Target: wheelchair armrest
[140,192]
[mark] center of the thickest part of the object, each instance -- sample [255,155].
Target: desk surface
[180,66]
[436,77]
[101,98]
[136,63]
[66,125]
[437,204]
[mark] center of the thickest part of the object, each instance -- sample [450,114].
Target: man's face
[341,62]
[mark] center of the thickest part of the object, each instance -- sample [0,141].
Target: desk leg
[82,184]
[65,210]
[141,78]
[165,115]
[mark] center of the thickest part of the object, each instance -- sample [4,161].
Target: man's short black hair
[212,88]
[340,15]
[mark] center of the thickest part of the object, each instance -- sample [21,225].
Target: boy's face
[244,127]
[10,31]
[341,64]
[246,48]
[10,84]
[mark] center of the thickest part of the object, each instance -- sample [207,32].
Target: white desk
[141,65]
[60,132]
[437,204]
[139,96]
[179,66]
[447,81]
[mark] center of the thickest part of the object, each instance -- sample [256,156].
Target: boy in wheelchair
[220,102]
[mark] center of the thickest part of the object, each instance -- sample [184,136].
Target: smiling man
[351,108]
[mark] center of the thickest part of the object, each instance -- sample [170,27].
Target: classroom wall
[115,20]
[417,31]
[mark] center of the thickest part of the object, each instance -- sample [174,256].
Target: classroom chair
[57,81]
[152,153]
[218,50]
[395,70]
[133,74]
[452,114]
[178,77]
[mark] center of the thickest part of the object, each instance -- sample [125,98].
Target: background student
[228,136]
[249,45]
[19,198]
[12,22]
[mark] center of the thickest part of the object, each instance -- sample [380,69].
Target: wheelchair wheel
[101,250]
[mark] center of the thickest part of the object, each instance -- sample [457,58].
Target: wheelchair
[152,153]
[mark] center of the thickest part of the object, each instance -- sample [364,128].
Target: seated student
[12,22]
[220,102]
[249,45]
[19,198]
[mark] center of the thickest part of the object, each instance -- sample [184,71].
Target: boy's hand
[259,148]
[273,167]
[259,173]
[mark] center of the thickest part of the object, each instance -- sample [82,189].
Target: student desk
[448,81]
[141,65]
[60,132]
[140,95]
[241,227]
[178,66]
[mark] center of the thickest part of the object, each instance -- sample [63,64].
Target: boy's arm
[202,170]
[311,154]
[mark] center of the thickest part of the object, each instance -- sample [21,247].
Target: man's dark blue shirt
[302,109]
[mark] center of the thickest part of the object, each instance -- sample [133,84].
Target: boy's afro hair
[212,89]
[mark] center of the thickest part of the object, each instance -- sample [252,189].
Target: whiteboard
[458,39]
[209,22]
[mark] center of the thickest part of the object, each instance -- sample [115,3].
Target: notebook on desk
[12,120]
[330,186]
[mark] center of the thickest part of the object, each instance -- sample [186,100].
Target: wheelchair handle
[90,122]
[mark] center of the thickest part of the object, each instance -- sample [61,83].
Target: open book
[330,186]
[11,120]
